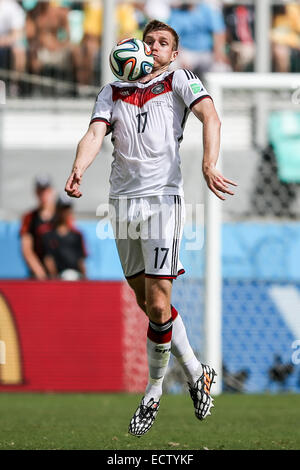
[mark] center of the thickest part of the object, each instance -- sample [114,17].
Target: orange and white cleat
[200,392]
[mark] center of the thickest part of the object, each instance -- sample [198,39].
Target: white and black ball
[131,59]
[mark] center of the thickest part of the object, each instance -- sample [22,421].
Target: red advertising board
[61,336]
[71,336]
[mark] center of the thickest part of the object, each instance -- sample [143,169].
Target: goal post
[108,40]
[217,84]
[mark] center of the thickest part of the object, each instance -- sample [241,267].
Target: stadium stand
[260,234]
[284,135]
[63,60]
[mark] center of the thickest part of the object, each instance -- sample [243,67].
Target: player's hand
[73,183]
[40,274]
[217,182]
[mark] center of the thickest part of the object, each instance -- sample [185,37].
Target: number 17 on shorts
[161,247]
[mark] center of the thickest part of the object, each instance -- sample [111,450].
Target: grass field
[100,421]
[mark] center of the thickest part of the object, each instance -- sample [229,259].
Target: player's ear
[174,56]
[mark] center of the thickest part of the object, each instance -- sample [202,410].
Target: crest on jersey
[157,89]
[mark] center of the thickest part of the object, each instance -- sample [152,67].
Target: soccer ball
[131,59]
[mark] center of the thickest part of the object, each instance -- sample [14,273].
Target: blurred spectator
[285,36]
[158,10]
[87,54]
[12,49]
[141,17]
[240,36]
[63,246]
[234,382]
[76,19]
[201,30]
[35,224]
[126,20]
[280,372]
[48,35]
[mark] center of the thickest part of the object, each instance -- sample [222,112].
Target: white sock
[158,352]
[153,389]
[182,350]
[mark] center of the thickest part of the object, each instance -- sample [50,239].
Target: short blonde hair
[156,25]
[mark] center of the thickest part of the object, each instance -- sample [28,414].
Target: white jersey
[147,122]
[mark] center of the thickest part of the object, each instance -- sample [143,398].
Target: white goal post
[218,83]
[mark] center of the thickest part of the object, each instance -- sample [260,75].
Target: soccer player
[147,119]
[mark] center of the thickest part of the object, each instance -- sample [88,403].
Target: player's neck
[46,212]
[155,73]
[63,229]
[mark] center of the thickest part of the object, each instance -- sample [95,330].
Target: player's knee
[159,312]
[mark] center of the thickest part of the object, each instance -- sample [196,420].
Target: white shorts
[148,233]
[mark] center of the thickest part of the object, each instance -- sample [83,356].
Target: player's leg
[160,257]
[182,349]
[161,254]
[200,376]
[132,261]
[180,345]
[137,283]
[160,231]
[159,335]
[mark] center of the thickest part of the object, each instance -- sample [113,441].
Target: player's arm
[51,266]
[206,112]
[31,258]
[82,268]
[82,254]
[87,150]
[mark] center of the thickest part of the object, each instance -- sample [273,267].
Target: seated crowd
[61,39]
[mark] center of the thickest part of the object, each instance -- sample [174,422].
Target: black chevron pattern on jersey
[190,75]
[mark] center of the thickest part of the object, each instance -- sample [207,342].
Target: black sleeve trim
[99,119]
[200,99]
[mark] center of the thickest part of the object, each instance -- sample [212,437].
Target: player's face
[65,215]
[161,44]
[46,196]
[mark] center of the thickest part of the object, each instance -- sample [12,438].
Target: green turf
[100,421]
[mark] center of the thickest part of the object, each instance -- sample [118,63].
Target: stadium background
[82,336]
